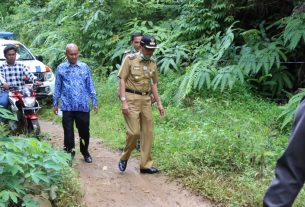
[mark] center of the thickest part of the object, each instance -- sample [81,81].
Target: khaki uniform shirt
[127,52]
[138,74]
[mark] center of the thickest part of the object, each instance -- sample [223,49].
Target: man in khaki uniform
[138,79]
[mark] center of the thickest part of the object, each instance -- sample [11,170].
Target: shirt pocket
[152,72]
[81,75]
[136,72]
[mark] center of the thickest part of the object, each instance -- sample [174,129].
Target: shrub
[30,168]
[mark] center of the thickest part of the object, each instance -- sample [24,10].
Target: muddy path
[103,185]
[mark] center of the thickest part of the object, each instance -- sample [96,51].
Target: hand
[125,110]
[6,86]
[152,98]
[55,109]
[161,110]
[38,83]
[95,109]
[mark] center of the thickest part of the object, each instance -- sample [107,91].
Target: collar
[133,50]
[143,58]
[70,65]
[9,64]
[151,59]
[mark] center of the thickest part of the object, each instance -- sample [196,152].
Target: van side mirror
[39,57]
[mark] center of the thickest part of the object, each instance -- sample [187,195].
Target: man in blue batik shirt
[73,85]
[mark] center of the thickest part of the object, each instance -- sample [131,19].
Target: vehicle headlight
[49,76]
[29,101]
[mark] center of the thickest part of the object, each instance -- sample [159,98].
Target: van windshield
[22,53]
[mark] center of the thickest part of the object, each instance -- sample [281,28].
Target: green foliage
[294,31]
[30,167]
[199,55]
[110,118]
[288,110]
[207,68]
[172,58]
[190,34]
[7,115]
[261,57]
[202,18]
[261,64]
[214,143]
[281,79]
[222,145]
[227,77]
[251,36]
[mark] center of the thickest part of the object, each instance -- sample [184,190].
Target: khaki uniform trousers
[139,122]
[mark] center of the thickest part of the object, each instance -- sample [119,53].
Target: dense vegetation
[224,65]
[32,172]
[208,44]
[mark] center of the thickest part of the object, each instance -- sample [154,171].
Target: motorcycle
[24,105]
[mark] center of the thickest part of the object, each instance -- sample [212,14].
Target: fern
[172,57]
[200,18]
[261,57]
[289,109]
[203,76]
[294,31]
[186,84]
[282,79]
[227,77]
[207,69]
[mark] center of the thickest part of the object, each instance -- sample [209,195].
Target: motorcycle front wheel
[33,127]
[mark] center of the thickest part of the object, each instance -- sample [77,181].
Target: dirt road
[104,185]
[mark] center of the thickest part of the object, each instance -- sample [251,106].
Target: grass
[69,190]
[223,146]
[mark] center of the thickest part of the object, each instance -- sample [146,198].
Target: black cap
[9,47]
[149,42]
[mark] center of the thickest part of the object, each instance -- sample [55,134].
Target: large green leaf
[7,114]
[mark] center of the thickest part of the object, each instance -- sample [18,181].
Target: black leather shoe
[151,170]
[122,165]
[88,159]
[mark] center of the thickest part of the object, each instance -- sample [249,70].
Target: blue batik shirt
[73,85]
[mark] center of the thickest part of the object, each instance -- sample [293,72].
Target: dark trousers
[82,120]
[290,168]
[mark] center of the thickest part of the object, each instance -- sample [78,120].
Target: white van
[41,71]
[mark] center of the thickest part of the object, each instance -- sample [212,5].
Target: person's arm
[2,80]
[28,74]
[122,88]
[92,91]
[123,74]
[154,90]
[57,91]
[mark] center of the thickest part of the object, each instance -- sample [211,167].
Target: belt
[137,92]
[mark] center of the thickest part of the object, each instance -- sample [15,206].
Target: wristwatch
[123,98]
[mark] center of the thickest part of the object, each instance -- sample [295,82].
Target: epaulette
[127,51]
[132,56]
